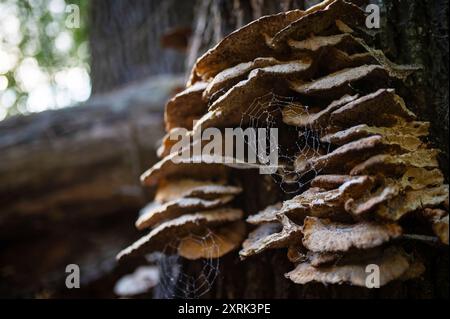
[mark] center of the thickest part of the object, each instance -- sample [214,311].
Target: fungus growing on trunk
[372,169]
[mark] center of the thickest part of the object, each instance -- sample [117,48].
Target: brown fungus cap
[169,190]
[319,203]
[186,167]
[323,235]
[315,43]
[176,208]
[394,163]
[242,45]
[393,264]
[339,83]
[347,156]
[185,107]
[406,134]
[299,115]
[334,60]
[212,243]
[410,201]
[228,109]
[165,233]
[268,214]
[366,108]
[389,188]
[269,236]
[329,182]
[354,256]
[227,78]
[319,20]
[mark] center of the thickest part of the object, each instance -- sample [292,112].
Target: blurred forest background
[69,176]
[38,53]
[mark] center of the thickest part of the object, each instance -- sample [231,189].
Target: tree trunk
[416,32]
[412,32]
[125,40]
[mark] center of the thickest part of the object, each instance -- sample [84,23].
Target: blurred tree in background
[43,55]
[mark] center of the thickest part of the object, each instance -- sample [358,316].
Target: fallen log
[86,159]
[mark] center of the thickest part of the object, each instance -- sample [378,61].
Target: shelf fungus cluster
[376,179]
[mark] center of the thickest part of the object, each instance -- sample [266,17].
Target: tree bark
[416,32]
[125,40]
[216,19]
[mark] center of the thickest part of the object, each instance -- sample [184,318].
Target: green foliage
[41,54]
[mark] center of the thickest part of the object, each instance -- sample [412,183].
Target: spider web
[265,112]
[175,281]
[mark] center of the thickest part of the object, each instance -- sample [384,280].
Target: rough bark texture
[412,32]
[416,32]
[125,40]
[215,19]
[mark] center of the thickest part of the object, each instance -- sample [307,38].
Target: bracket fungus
[377,168]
